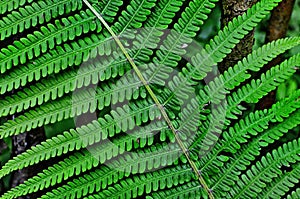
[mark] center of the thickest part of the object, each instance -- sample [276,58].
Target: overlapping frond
[258,88]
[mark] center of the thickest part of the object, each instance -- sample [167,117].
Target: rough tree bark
[277,28]
[231,9]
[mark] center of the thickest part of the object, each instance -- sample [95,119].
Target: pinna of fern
[163,144]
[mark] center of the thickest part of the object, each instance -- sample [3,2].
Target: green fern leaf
[41,41]
[29,16]
[9,5]
[264,171]
[87,159]
[282,184]
[119,120]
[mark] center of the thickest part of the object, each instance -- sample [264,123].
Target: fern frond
[112,172]
[41,41]
[282,184]
[252,125]
[87,159]
[145,183]
[234,108]
[225,179]
[256,89]
[120,120]
[188,190]
[32,15]
[69,81]
[294,195]
[249,93]
[216,90]
[221,44]
[251,183]
[9,5]
[242,131]
[78,51]
[219,47]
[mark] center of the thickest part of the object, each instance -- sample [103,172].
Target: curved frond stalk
[154,97]
[123,166]
[90,48]
[98,71]
[87,159]
[32,15]
[9,5]
[118,121]
[251,183]
[80,51]
[281,185]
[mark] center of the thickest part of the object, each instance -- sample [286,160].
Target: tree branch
[230,10]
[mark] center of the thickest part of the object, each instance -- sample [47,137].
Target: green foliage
[58,63]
